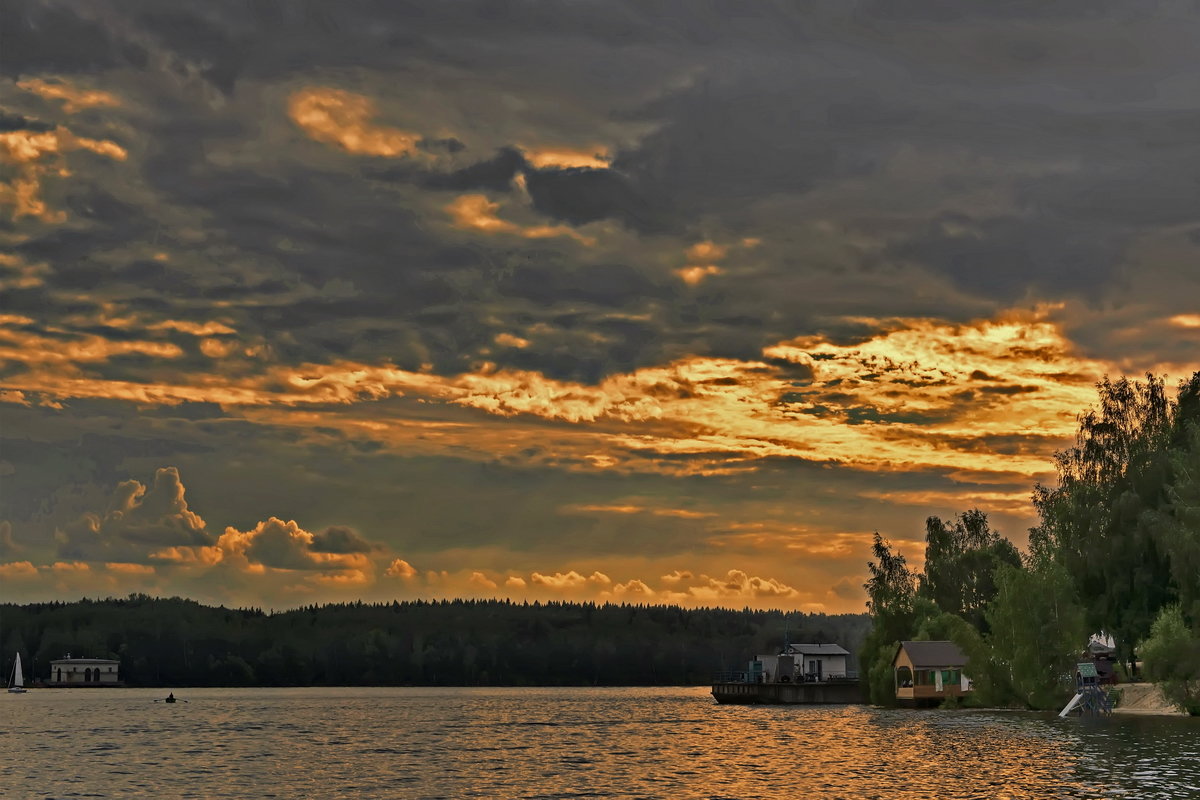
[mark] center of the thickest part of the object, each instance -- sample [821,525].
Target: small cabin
[819,662]
[69,671]
[804,663]
[926,673]
[1102,654]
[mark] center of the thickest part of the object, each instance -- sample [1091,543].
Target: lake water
[672,743]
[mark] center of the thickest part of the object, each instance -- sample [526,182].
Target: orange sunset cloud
[73,98]
[475,212]
[346,119]
[995,395]
[568,158]
[34,155]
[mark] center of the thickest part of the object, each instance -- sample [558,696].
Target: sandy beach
[1145,698]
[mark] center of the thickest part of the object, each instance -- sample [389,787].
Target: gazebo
[926,673]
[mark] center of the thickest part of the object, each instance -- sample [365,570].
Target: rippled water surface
[556,743]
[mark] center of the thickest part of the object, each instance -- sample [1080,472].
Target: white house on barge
[819,662]
[799,674]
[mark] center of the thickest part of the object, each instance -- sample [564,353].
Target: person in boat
[171,697]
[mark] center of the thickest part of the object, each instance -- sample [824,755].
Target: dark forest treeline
[179,642]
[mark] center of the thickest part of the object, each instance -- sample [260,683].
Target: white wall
[73,673]
[831,665]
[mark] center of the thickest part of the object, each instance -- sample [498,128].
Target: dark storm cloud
[612,285]
[494,174]
[797,372]
[197,40]
[582,195]
[852,414]
[341,540]
[1026,173]
[1004,257]
[190,411]
[575,195]
[738,138]
[318,226]
[845,115]
[1158,191]
[50,450]
[790,172]
[17,122]
[48,36]
[926,11]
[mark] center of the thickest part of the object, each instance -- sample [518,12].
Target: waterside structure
[928,673]
[1090,695]
[83,672]
[801,674]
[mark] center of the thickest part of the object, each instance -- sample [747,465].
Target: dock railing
[738,677]
[743,676]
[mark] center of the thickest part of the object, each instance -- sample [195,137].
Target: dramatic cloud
[400,569]
[618,303]
[284,545]
[340,540]
[32,155]
[476,212]
[346,119]
[16,570]
[733,587]
[571,580]
[137,521]
[73,98]
[566,158]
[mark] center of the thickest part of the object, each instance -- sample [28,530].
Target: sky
[646,302]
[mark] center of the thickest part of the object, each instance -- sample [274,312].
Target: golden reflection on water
[965,753]
[857,751]
[670,743]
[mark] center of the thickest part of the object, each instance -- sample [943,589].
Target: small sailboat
[16,684]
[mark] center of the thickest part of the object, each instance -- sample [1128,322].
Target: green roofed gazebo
[1086,674]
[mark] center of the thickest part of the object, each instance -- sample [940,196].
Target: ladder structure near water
[1090,697]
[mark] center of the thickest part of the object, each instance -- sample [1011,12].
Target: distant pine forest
[179,642]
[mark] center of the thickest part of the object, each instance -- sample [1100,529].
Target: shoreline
[1145,699]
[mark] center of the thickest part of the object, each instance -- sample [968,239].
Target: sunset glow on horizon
[371,316]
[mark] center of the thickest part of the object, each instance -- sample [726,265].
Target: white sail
[18,679]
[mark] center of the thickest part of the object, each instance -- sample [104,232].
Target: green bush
[1171,657]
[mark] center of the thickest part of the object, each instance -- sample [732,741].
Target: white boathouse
[819,662]
[69,671]
[805,663]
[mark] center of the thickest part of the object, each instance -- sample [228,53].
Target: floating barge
[803,674]
[834,691]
